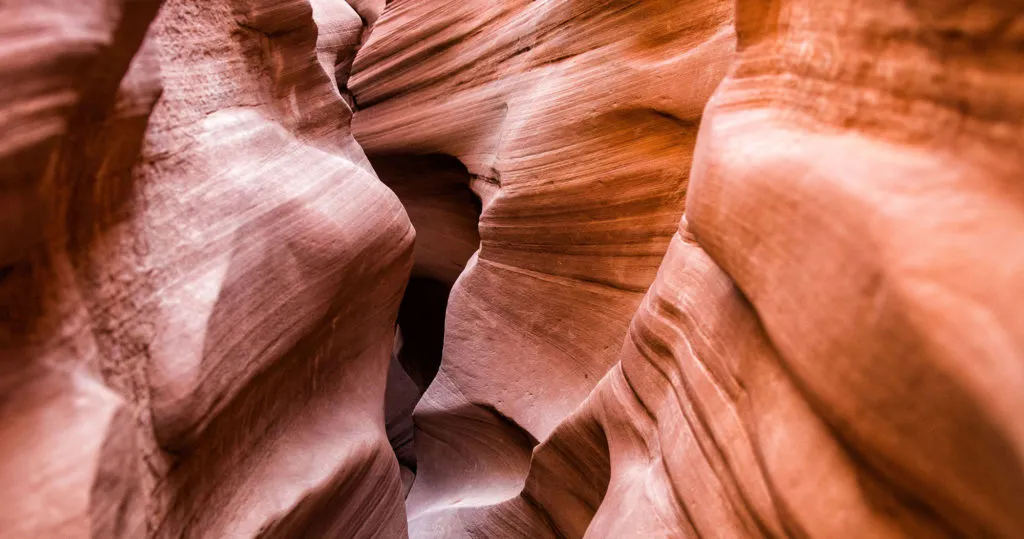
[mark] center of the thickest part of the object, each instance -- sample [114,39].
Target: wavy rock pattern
[828,349]
[577,137]
[222,256]
[215,321]
[68,442]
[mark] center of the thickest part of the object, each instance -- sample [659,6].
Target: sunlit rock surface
[831,347]
[222,258]
[576,123]
[690,268]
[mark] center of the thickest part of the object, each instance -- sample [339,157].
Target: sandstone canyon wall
[680,268]
[198,346]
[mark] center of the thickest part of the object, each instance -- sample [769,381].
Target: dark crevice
[434,189]
[421,323]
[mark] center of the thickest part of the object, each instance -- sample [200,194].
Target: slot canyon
[511,269]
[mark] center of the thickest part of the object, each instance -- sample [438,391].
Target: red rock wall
[829,348]
[198,346]
[67,440]
[578,134]
[734,268]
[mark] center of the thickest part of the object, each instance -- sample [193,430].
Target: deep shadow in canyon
[434,189]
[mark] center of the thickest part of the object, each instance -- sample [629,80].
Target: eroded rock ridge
[511,268]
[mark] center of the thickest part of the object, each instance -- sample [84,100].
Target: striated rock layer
[722,268]
[577,136]
[830,347]
[196,342]
[68,441]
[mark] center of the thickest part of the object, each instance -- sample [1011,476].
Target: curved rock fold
[511,268]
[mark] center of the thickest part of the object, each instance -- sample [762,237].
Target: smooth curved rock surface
[218,253]
[883,276]
[829,349]
[572,122]
[68,443]
[699,268]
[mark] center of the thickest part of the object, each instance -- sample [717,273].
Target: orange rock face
[482,268]
[576,123]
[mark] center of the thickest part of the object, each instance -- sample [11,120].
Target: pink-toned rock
[877,237]
[215,321]
[67,443]
[831,347]
[576,123]
[219,253]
